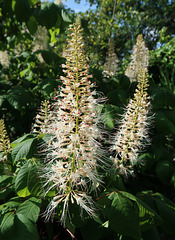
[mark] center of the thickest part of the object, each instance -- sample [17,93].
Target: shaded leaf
[49,15]
[24,228]
[7,226]
[123,218]
[30,209]
[27,181]
[6,181]
[22,10]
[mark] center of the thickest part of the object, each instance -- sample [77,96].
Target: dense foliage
[33,43]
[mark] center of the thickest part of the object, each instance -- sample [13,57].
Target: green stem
[77,108]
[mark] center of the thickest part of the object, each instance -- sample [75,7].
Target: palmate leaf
[123,218]
[24,228]
[51,59]
[27,181]
[17,227]
[30,209]
[18,97]
[147,216]
[47,86]
[127,214]
[164,207]
[10,206]
[18,220]
[162,97]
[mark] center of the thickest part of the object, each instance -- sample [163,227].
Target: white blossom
[140,59]
[4,59]
[132,134]
[73,154]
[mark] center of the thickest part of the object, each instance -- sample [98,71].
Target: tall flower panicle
[43,118]
[132,135]
[4,59]
[140,59]
[111,64]
[73,153]
[4,140]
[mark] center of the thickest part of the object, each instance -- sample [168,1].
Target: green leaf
[24,72]
[46,137]
[10,206]
[19,98]
[7,226]
[33,2]
[19,140]
[30,209]
[148,218]
[163,124]
[108,116]
[151,234]
[47,86]
[27,181]
[6,181]
[50,58]
[1,100]
[65,16]
[32,25]
[166,210]
[22,10]
[24,149]
[53,34]
[117,96]
[123,218]
[49,15]
[164,170]
[162,98]
[127,214]
[24,228]
[173,179]
[164,207]
[92,230]
[149,161]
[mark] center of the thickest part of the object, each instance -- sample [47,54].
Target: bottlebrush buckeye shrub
[73,153]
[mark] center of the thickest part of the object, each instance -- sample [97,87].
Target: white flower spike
[73,154]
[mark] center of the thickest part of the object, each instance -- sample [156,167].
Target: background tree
[124,20]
